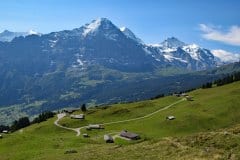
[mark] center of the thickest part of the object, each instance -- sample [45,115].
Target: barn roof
[129,135]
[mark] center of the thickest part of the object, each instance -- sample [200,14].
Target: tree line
[226,80]
[24,121]
[230,78]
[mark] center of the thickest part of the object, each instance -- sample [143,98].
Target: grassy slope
[211,110]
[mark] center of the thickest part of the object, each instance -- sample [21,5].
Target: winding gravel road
[78,130]
[59,117]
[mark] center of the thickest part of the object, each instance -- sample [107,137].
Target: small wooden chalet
[170,118]
[79,116]
[95,126]
[129,135]
[189,98]
[108,139]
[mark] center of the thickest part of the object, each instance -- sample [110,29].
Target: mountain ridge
[104,27]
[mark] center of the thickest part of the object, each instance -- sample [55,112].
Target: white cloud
[232,36]
[226,56]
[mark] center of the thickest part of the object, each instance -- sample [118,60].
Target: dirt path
[78,130]
[59,117]
[146,116]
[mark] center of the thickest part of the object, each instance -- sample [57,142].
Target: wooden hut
[129,135]
[108,139]
[176,94]
[85,135]
[79,116]
[189,98]
[184,94]
[5,131]
[70,110]
[170,118]
[95,126]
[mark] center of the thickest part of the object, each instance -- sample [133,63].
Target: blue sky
[213,24]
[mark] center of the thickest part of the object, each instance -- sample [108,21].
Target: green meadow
[205,128]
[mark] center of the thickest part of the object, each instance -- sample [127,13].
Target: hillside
[205,128]
[117,87]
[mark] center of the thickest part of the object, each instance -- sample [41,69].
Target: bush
[83,108]
[70,151]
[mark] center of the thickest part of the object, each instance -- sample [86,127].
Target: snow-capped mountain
[172,43]
[101,25]
[177,53]
[131,35]
[100,42]
[7,36]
